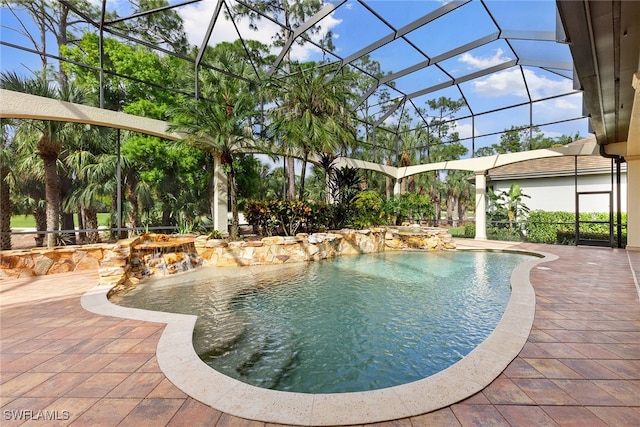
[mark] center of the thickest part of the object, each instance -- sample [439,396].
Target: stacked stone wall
[127,261]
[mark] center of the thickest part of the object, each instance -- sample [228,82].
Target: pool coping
[182,366]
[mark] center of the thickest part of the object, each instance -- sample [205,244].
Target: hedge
[555,228]
[543,227]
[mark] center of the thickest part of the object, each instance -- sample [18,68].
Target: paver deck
[580,365]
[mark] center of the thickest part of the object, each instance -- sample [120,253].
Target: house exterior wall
[558,193]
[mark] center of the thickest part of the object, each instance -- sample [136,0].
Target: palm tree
[45,137]
[93,167]
[313,114]
[6,160]
[221,126]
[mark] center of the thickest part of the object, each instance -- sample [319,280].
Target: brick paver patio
[579,367]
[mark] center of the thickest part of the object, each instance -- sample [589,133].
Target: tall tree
[312,115]
[51,18]
[163,27]
[291,14]
[7,159]
[443,142]
[50,136]
[221,124]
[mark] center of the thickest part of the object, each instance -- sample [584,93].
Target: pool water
[347,324]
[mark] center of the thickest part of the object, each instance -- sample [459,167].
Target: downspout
[618,160]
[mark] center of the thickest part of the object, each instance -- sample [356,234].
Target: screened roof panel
[416,80]
[566,107]
[388,10]
[541,51]
[481,58]
[545,84]
[527,15]
[494,54]
[499,90]
[499,120]
[396,55]
[364,29]
[445,33]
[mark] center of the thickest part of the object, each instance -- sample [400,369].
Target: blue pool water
[348,324]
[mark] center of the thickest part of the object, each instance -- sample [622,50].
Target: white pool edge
[182,366]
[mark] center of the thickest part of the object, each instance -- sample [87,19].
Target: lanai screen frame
[402,99]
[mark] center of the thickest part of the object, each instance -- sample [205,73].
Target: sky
[355,26]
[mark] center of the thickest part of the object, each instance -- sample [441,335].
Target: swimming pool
[341,325]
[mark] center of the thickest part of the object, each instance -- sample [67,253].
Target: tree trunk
[211,189]
[82,235]
[435,198]
[67,217]
[133,217]
[450,202]
[91,222]
[462,211]
[52,197]
[456,208]
[302,176]
[291,178]
[388,183]
[5,210]
[40,215]
[233,199]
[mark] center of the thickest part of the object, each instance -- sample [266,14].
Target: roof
[553,166]
[604,38]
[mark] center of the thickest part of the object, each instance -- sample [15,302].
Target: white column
[481,206]
[633,172]
[633,202]
[220,196]
[396,188]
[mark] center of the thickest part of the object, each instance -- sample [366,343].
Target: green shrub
[367,209]
[288,217]
[568,237]
[559,227]
[504,234]
[542,227]
[470,229]
[408,206]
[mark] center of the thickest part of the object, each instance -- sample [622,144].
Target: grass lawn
[28,221]
[457,231]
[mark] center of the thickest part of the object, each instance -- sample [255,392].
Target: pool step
[218,335]
[266,366]
[260,356]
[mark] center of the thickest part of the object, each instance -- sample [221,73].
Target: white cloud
[510,82]
[478,62]
[465,130]
[197,16]
[566,104]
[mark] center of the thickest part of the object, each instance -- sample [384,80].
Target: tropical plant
[6,160]
[45,137]
[368,209]
[312,115]
[221,125]
[293,14]
[507,207]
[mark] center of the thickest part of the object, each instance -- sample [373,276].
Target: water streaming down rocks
[164,255]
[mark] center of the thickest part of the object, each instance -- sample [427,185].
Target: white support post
[396,188]
[633,202]
[220,197]
[633,172]
[481,205]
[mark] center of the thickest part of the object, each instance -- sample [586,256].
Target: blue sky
[354,26]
